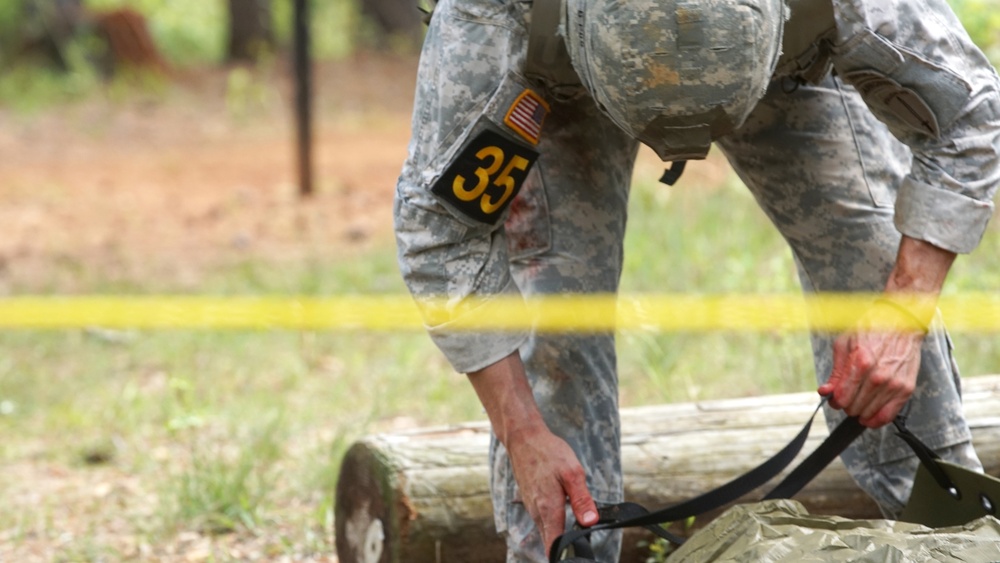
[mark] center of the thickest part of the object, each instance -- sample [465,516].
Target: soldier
[868,131]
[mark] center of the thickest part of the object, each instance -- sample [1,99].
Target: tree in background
[46,29]
[251,33]
[65,34]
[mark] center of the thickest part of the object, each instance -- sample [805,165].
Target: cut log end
[365,516]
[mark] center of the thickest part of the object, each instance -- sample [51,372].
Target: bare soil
[159,187]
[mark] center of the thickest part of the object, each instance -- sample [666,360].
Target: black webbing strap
[672,174]
[926,455]
[834,444]
[427,12]
[628,510]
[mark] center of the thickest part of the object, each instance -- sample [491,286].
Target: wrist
[523,433]
[915,282]
[907,315]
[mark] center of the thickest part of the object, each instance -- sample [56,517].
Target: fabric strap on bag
[832,446]
[803,55]
[548,59]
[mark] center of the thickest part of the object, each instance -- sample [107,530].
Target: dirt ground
[160,186]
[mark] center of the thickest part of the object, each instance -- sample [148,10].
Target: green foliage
[26,88]
[712,231]
[981,19]
[194,32]
[230,430]
[706,240]
[11,16]
[333,26]
[246,93]
[716,240]
[188,32]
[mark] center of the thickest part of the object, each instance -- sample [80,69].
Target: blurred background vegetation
[54,51]
[192,33]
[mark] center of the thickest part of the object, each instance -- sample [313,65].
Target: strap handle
[547,60]
[835,443]
[927,456]
[840,438]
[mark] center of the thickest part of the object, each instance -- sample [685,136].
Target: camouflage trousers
[821,167]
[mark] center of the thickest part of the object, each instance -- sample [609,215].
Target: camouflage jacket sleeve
[919,72]
[462,171]
[449,267]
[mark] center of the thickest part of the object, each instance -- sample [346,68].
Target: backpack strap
[548,59]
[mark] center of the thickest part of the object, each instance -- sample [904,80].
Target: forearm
[504,391]
[918,276]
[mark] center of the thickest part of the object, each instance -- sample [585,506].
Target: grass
[224,486]
[223,431]
[727,245]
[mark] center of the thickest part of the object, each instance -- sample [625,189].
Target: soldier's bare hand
[548,473]
[875,367]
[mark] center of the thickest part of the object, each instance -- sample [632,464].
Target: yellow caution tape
[978,312]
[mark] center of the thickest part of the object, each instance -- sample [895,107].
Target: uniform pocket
[911,95]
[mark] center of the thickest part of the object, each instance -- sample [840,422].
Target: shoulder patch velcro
[485,176]
[526,116]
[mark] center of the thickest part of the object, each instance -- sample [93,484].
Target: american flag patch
[526,115]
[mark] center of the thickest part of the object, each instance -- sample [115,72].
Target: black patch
[485,176]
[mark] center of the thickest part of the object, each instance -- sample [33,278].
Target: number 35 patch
[484,178]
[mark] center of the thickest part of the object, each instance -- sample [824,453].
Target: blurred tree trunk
[46,28]
[250,30]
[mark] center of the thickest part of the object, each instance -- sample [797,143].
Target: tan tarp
[782,530]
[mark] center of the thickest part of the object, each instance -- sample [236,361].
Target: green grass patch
[226,480]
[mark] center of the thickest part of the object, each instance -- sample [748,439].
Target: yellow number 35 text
[496,168]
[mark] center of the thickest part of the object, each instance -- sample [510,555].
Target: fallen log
[423,495]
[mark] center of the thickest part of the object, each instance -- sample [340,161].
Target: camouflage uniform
[836,183]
